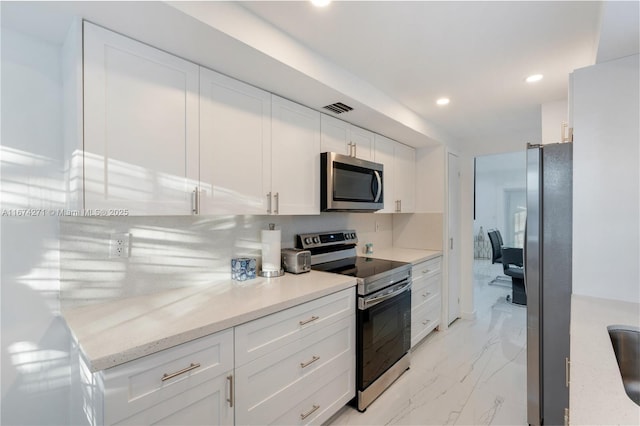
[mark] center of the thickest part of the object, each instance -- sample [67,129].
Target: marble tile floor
[473,373]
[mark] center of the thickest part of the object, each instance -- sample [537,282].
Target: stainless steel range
[383,332]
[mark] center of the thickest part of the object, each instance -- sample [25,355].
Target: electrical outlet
[119,244]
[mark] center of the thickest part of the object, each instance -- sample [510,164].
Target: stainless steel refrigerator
[547,260]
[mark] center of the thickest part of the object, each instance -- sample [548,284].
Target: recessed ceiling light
[533,78]
[443,101]
[320,3]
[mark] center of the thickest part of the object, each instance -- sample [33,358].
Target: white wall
[606,186]
[35,341]
[496,174]
[171,252]
[553,115]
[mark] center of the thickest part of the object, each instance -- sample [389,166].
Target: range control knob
[316,240]
[353,235]
[307,240]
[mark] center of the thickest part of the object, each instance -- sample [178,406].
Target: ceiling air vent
[338,108]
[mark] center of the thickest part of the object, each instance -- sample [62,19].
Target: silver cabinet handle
[313,318]
[426,294]
[308,363]
[310,412]
[426,271]
[196,201]
[269,202]
[350,145]
[451,243]
[230,399]
[168,376]
[425,322]
[398,206]
[277,197]
[355,150]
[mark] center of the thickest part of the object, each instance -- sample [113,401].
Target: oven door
[350,184]
[383,331]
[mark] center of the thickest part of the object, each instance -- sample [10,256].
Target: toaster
[296,261]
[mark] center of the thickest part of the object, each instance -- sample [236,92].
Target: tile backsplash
[172,252]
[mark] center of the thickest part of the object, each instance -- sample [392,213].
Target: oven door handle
[367,303]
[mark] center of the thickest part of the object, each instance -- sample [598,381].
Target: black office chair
[512,264]
[496,245]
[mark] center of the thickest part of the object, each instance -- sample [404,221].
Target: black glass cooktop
[359,267]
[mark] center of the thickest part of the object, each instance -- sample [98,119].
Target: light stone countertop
[597,395]
[119,331]
[399,254]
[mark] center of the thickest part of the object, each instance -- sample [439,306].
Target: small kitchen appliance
[296,261]
[383,311]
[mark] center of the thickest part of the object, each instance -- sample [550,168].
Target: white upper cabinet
[235,146]
[141,126]
[295,158]
[344,138]
[362,142]
[405,178]
[384,155]
[399,175]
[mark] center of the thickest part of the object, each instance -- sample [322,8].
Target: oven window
[385,331]
[353,183]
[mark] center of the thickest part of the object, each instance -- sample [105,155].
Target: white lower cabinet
[426,298]
[189,384]
[305,377]
[296,366]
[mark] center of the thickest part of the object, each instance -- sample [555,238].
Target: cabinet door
[295,158]
[206,404]
[334,135]
[363,141]
[384,148]
[141,126]
[235,146]
[405,177]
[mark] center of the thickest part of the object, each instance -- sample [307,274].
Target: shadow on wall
[35,340]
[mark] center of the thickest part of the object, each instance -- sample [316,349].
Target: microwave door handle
[379,180]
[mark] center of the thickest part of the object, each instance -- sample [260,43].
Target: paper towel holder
[275,273]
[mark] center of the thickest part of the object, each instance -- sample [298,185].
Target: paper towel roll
[271,250]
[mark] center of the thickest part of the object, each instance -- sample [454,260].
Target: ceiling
[476,53]
[390,60]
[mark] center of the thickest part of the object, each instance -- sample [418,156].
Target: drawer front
[257,338]
[424,319]
[138,385]
[320,406]
[205,404]
[425,290]
[267,377]
[428,268]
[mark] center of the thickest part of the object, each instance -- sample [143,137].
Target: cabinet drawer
[199,405]
[428,268]
[424,319]
[320,406]
[137,385]
[284,406]
[267,378]
[264,335]
[425,290]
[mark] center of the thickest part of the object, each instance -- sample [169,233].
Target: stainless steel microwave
[350,184]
